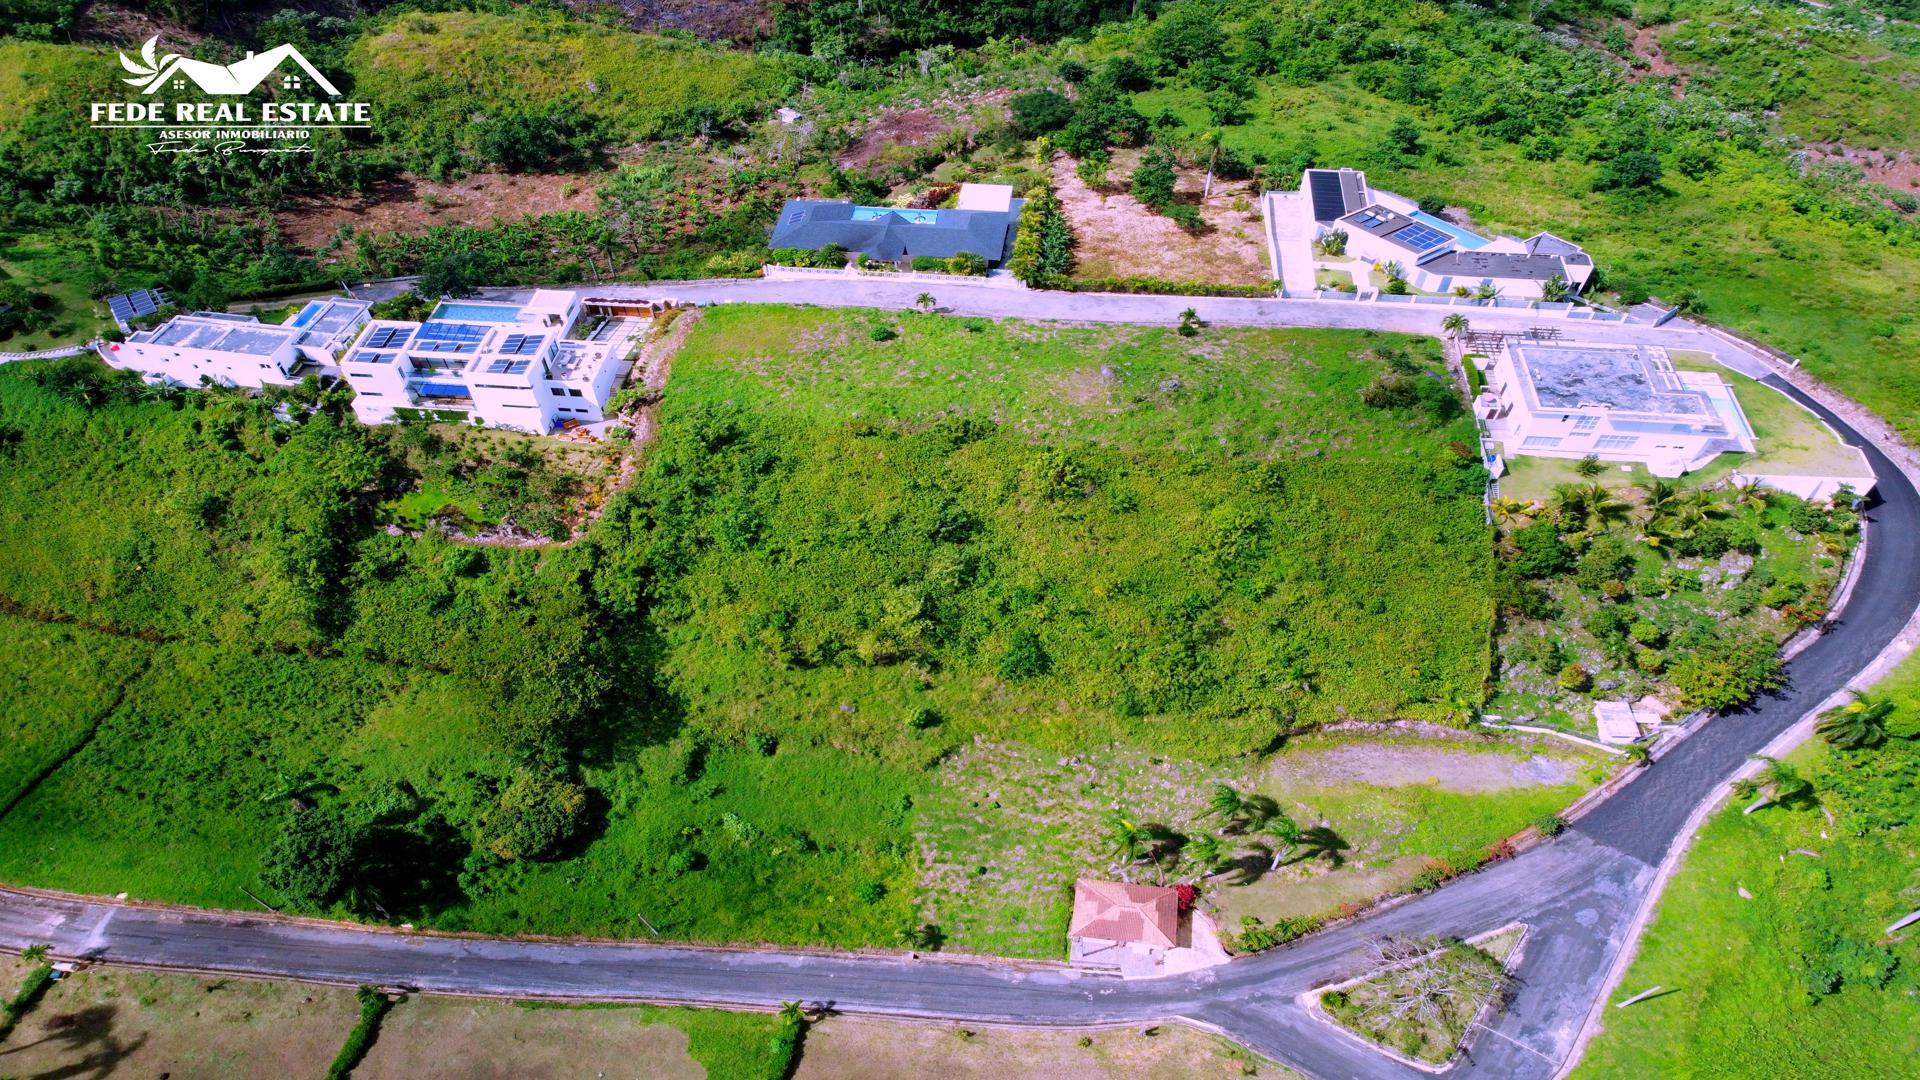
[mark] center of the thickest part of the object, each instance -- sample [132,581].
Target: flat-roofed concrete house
[1434,254]
[1620,402]
[1120,925]
[982,223]
[529,366]
[239,350]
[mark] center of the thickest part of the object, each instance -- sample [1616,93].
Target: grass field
[876,1050]
[1737,970]
[981,525]
[50,708]
[1792,441]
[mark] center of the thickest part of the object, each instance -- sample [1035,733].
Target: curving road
[1579,894]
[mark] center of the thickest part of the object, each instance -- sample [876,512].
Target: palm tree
[1455,324]
[1779,782]
[1125,838]
[792,1013]
[1859,723]
[1589,466]
[1226,803]
[1212,137]
[1660,496]
[1589,508]
[1508,510]
[1487,292]
[1207,853]
[924,301]
[1554,289]
[1285,835]
[1749,493]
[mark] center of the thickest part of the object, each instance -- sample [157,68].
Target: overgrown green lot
[1776,961]
[1059,534]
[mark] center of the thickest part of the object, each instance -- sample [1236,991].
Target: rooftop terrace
[1622,378]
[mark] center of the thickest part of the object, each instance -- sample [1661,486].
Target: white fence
[43,354]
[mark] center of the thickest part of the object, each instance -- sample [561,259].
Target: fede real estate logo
[235,125]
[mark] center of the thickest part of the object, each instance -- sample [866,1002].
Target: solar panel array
[1328,202]
[1420,237]
[135,304]
[1370,217]
[388,337]
[374,357]
[521,344]
[504,366]
[449,337]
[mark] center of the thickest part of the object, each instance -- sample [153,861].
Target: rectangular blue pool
[1469,240]
[475,312]
[913,217]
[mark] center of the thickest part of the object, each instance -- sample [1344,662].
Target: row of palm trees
[1667,511]
[1247,825]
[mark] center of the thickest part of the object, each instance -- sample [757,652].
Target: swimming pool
[306,313]
[1469,240]
[914,217]
[476,312]
[1728,407]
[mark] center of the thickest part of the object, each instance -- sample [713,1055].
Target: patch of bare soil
[715,20]
[910,127]
[1646,46]
[845,1046]
[1121,238]
[1400,765]
[1897,169]
[126,28]
[414,205]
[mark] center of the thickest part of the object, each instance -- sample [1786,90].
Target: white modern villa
[239,350]
[1620,402]
[528,366]
[1387,232]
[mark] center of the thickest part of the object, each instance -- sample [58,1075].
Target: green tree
[1153,181]
[1554,289]
[1779,782]
[924,301]
[455,273]
[1632,170]
[1455,324]
[1125,838]
[1043,247]
[534,817]
[1092,168]
[311,862]
[1037,112]
[1589,466]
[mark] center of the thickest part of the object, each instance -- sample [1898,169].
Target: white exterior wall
[186,365]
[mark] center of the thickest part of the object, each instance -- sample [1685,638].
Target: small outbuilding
[1124,926]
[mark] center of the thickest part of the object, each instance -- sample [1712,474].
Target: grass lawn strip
[1421,1006]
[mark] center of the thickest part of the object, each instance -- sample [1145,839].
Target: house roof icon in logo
[239,77]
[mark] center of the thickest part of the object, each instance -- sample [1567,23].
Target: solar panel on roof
[1328,203]
[135,304]
[387,337]
[1420,236]
[504,366]
[521,344]
[446,331]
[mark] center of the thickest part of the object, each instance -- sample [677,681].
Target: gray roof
[1549,244]
[1494,264]
[1396,228]
[1621,378]
[814,223]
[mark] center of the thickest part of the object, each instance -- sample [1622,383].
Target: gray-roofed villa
[983,223]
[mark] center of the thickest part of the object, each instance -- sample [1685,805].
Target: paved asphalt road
[1577,894]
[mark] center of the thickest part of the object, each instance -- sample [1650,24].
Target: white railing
[43,354]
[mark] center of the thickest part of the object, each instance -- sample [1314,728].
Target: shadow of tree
[85,1039]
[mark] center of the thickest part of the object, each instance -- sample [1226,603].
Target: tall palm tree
[1589,508]
[1207,852]
[1126,839]
[1554,289]
[1659,497]
[1860,722]
[924,301]
[1455,324]
[1225,803]
[1284,834]
[1778,782]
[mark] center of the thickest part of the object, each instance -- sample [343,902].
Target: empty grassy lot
[1797,977]
[846,1046]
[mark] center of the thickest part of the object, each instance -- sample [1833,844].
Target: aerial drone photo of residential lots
[798,539]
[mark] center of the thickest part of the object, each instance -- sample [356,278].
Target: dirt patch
[1400,765]
[412,205]
[124,1024]
[126,28]
[1121,238]
[1646,46]
[911,127]
[843,1046]
[1897,169]
[714,20]
[432,1038]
